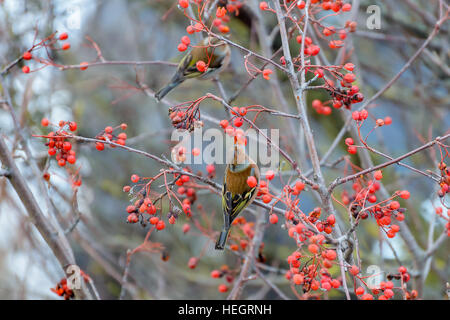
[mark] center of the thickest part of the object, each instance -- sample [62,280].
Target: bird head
[240,160]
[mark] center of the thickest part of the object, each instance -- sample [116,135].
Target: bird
[236,192]
[215,53]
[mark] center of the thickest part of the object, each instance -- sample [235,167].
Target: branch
[57,242]
[249,258]
[339,181]
[408,63]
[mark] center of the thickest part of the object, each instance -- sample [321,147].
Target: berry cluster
[186,115]
[145,201]
[57,142]
[312,274]
[361,204]
[321,108]
[108,135]
[440,212]
[223,272]
[49,42]
[385,290]
[232,126]
[222,18]
[142,205]
[62,290]
[445,180]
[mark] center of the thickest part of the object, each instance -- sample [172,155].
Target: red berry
[186,40]
[331,219]
[299,186]
[270,175]
[190,29]
[346,7]
[263,5]
[349,78]
[378,175]
[84,64]
[201,66]
[67,146]
[44,122]
[267,73]
[134,178]
[387,120]
[349,141]
[273,218]
[298,279]
[63,36]
[394,205]
[364,114]
[404,194]
[252,182]
[367,296]
[192,263]
[27,55]
[108,129]
[224,123]
[183,3]
[72,126]
[160,225]
[238,122]
[352,150]
[210,168]
[326,286]
[223,288]
[66,46]
[328,31]
[388,293]
[99,146]
[154,220]
[133,218]
[182,47]
[354,270]
[26,69]
[313,248]
[349,66]
[71,159]
[330,254]
[215,274]
[356,116]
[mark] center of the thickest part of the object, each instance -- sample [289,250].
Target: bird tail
[176,80]
[222,240]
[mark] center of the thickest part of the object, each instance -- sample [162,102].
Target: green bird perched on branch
[237,194]
[211,54]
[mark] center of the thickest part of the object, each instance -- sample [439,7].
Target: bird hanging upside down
[236,193]
[213,52]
